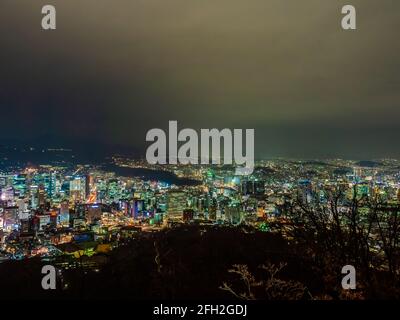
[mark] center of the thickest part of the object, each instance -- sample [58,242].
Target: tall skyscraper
[77,189]
[34,196]
[176,204]
[233,213]
[42,196]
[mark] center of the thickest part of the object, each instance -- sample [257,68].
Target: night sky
[115,69]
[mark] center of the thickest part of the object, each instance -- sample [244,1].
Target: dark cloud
[113,70]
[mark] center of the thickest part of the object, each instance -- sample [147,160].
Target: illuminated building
[23,212]
[124,206]
[52,186]
[63,217]
[10,218]
[7,194]
[53,219]
[34,195]
[212,212]
[19,184]
[233,214]
[94,213]
[77,187]
[138,207]
[78,222]
[158,218]
[42,196]
[43,221]
[261,210]
[362,190]
[176,204]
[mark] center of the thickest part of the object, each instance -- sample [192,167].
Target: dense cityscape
[76,214]
[45,207]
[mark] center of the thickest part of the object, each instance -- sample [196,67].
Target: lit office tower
[52,184]
[19,184]
[233,213]
[23,212]
[10,218]
[58,186]
[63,217]
[77,189]
[138,207]
[176,204]
[42,196]
[34,196]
